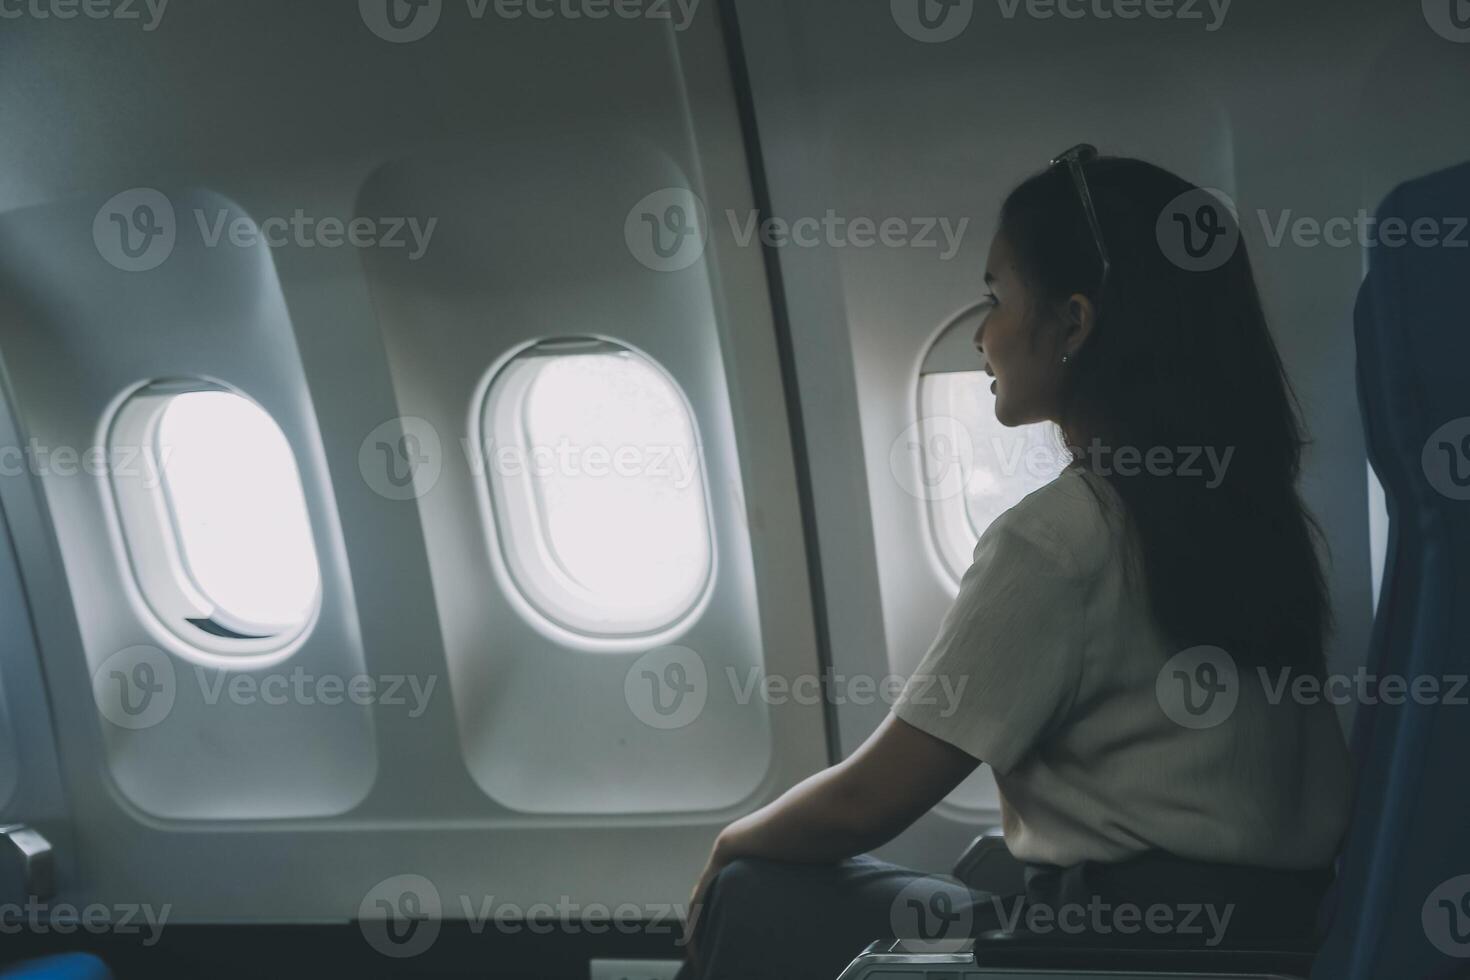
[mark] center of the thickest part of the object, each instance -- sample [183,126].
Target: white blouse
[1105,742]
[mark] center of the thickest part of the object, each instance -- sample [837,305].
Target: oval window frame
[179,611]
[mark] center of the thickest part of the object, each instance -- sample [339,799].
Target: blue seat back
[1403,899]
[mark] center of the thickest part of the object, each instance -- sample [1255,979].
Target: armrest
[987,866]
[1092,953]
[888,960]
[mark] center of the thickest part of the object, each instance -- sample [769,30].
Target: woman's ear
[1077,321]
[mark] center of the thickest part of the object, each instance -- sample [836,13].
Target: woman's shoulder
[1077,517]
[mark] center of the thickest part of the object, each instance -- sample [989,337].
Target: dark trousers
[770,919]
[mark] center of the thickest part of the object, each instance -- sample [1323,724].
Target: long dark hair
[1177,359]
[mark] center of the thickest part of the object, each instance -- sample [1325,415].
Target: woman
[1123,631]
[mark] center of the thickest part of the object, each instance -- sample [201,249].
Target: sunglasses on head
[1074,157]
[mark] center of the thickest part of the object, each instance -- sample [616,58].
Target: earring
[1066,358]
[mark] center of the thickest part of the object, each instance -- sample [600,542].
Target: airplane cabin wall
[300,106]
[488,124]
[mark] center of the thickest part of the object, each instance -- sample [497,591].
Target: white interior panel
[543,716]
[74,355]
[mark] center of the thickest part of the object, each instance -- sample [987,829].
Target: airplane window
[972,469]
[215,519]
[597,488]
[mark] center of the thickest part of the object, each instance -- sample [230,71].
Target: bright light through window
[601,502]
[1000,466]
[239,511]
[214,518]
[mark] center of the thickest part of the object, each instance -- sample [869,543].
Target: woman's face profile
[1018,350]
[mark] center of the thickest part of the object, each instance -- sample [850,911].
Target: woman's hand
[858,804]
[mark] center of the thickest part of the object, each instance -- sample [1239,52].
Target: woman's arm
[893,778]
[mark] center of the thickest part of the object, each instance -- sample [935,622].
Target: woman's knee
[741,880]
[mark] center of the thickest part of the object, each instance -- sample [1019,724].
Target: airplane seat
[1400,905]
[64,966]
[1404,907]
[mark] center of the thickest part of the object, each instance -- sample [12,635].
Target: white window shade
[597,487]
[214,518]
